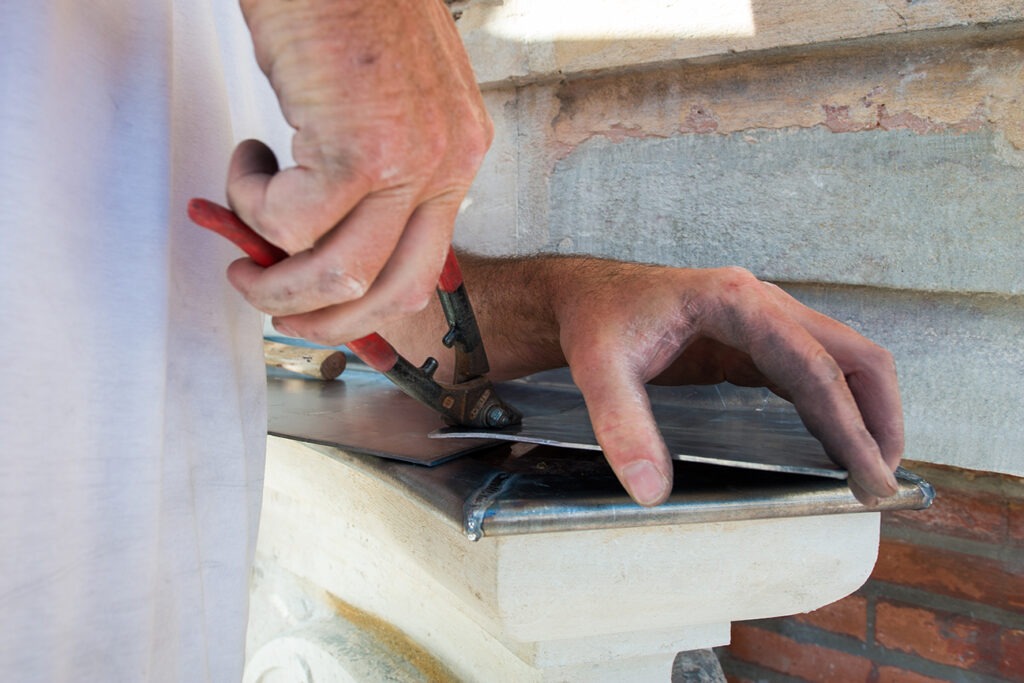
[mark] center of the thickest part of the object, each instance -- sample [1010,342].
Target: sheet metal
[719,425]
[503,488]
[361,412]
[722,425]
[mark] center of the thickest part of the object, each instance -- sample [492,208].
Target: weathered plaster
[488,219]
[934,88]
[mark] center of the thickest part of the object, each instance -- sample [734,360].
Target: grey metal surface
[501,488]
[522,489]
[720,425]
[361,412]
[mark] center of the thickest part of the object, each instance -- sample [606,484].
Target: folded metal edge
[494,515]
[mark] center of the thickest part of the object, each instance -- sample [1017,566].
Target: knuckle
[728,287]
[475,149]
[872,359]
[355,160]
[469,148]
[828,369]
[414,296]
[726,299]
[806,369]
[824,367]
[736,278]
[479,141]
[882,358]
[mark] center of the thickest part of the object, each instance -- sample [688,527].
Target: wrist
[513,299]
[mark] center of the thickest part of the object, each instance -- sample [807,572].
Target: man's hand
[682,326]
[621,325]
[390,130]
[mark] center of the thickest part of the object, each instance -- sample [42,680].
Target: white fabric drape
[132,414]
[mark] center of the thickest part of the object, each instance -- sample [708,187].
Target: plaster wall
[868,156]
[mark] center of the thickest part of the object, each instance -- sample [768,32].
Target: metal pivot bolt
[498,417]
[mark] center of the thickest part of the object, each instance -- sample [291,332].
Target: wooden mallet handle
[316,363]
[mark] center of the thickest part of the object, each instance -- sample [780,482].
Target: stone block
[960,361]
[892,209]
[536,40]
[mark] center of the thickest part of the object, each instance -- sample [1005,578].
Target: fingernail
[891,484]
[645,483]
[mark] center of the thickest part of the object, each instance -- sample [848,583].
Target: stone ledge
[518,41]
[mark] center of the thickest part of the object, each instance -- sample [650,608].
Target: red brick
[1011,664]
[801,660]
[1015,524]
[977,516]
[890,674]
[946,638]
[946,477]
[848,617]
[948,573]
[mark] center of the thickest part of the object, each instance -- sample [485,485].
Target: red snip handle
[373,349]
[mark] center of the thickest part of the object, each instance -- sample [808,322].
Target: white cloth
[132,416]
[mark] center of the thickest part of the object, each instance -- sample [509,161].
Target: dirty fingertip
[645,483]
[885,484]
[891,483]
[861,494]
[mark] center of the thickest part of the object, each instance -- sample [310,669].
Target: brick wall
[945,602]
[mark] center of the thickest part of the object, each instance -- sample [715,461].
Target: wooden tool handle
[316,363]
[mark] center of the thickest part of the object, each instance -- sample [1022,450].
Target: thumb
[624,425]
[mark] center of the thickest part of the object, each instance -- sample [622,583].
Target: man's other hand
[623,325]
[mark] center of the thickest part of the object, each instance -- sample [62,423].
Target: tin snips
[470,400]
